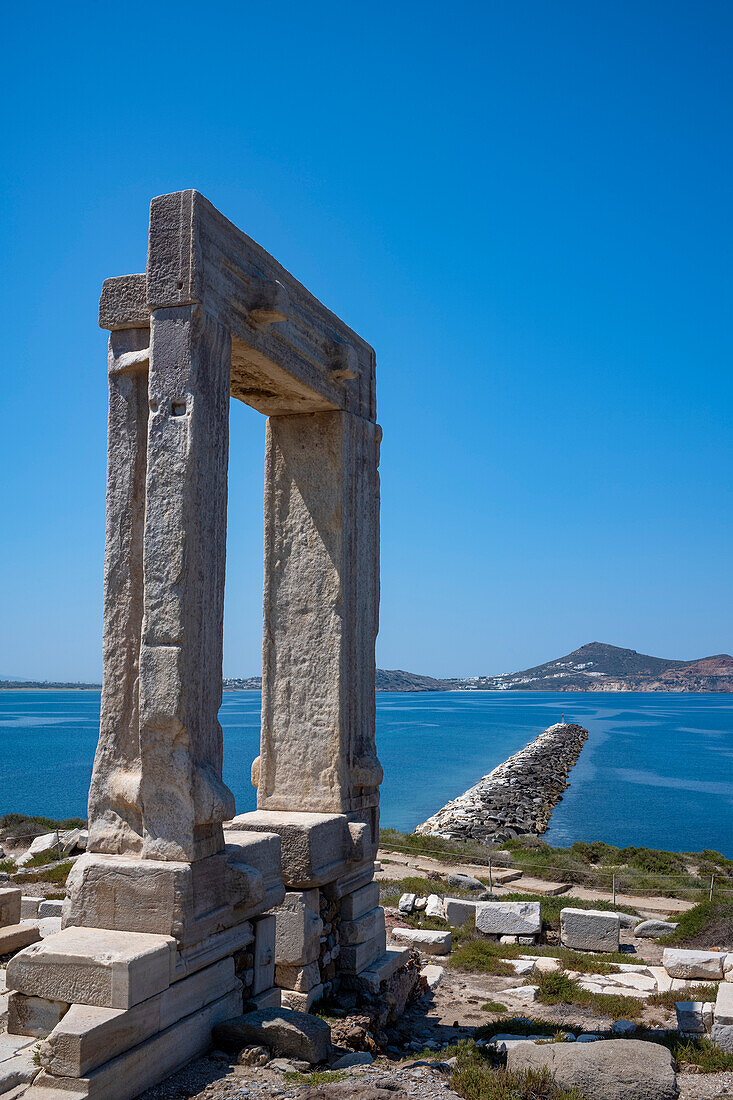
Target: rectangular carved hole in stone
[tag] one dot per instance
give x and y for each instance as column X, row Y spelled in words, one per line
column 178, row 408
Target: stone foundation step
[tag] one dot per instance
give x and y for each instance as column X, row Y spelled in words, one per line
column 384, row 967
column 94, row 966
column 128, row 1075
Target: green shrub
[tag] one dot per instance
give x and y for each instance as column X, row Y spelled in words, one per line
column 493, row 1006
column 700, row 1052
column 475, row 1078
column 709, row 924
column 57, row 873
column 557, row 988
column 691, row 993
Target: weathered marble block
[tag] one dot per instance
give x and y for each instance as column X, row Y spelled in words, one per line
column 589, row 930
column 359, row 902
column 33, row 1015
column 11, row 899
column 298, row 928
column 508, row 918
column 94, row 967
column 88, row 1036
column 707, row 965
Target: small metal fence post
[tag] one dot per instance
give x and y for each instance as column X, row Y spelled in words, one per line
column 712, row 883
column 614, row 889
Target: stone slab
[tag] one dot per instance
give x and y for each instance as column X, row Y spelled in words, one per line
column 51, row 908
column 213, row 948
column 11, row 901
column 359, row 902
column 351, row 881
column 14, row 937
column 431, row 943
column 299, row 978
column 589, row 930
column 269, row 998
column 616, row 1069
column 190, row 901
column 89, row 1036
column 722, row 1036
column 94, row 967
column 694, row 1017
column 706, row 965
column 129, row 1074
column 508, row 918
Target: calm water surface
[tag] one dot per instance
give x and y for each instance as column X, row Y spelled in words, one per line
column 656, row 770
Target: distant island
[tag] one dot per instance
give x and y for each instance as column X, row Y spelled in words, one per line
column 596, row 666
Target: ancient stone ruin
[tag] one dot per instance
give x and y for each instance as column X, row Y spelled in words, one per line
column 180, row 913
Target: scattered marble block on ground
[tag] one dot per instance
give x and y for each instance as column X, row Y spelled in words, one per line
column 707, row 965
column 50, row 908
column 293, row 1034
column 29, row 907
column 724, row 1004
column 94, row 966
column 458, row 911
column 508, row 918
column 14, row 937
column 431, row 943
column 11, row 903
column 694, row 1017
column 652, row 929
column 520, row 995
column 432, row 975
column 722, row 1036
column 589, row 930
column 617, row 1069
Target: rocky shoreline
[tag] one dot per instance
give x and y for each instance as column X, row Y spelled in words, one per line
column 517, row 798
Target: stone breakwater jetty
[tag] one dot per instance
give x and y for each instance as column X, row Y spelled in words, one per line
column 517, row 797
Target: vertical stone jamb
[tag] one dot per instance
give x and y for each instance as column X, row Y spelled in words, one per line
column 182, row 795
column 115, row 822
column 321, row 594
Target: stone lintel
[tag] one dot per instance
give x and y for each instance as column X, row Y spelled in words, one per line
column 123, row 303
column 290, row 354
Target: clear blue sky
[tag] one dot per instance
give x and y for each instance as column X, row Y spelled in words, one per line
column 524, row 207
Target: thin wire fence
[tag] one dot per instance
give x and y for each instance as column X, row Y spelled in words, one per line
column 616, row 879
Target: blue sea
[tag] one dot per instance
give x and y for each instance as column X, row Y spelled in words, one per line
column 657, row 769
